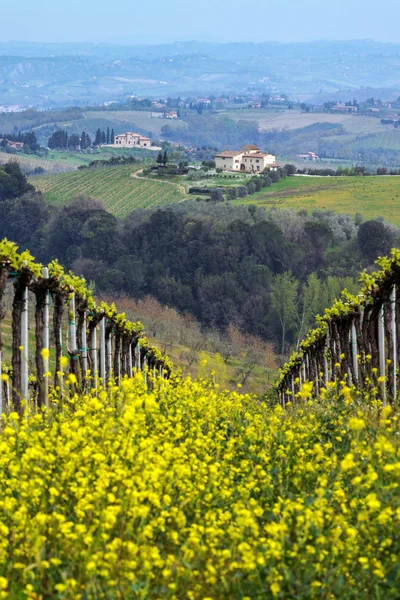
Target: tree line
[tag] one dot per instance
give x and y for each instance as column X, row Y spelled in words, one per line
column 61, row 140
column 245, row 266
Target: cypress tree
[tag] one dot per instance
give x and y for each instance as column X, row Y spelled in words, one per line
column 88, row 141
column 103, row 137
column 112, row 136
column 97, row 139
column 108, row 135
column 83, row 141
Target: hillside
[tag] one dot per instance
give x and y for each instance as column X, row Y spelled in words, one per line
column 119, row 188
column 273, row 119
column 371, row 196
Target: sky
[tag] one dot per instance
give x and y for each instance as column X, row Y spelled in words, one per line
column 159, row 21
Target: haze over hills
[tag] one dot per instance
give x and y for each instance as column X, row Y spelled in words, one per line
column 48, row 74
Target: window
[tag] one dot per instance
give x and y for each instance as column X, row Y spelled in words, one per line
column 257, row 160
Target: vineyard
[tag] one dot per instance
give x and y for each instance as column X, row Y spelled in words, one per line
column 116, row 187
column 371, row 196
column 123, row 480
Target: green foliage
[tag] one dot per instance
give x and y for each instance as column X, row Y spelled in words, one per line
column 373, row 283
column 13, row 182
column 14, row 261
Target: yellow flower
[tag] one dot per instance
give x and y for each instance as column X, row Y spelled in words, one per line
column 45, row 353
column 63, row 362
column 356, row 424
column 275, row 588
column 4, row 377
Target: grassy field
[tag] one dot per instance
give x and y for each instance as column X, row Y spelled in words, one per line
column 119, row 190
column 57, row 161
column 295, row 119
column 371, row 196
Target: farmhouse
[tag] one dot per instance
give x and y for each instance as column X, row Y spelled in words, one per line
column 249, row 159
column 127, row 140
column 17, row 145
column 340, row 107
column 309, row 156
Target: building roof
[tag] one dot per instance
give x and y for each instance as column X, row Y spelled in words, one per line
column 250, row 147
column 138, row 135
column 228, row 154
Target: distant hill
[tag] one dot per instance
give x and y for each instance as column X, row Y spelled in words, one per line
column 61, row 74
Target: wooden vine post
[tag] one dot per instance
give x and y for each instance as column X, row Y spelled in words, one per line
column 73, row 350
column 20, row 350
column 393, row 327
column 3, row 284
column 357, row 341
column 83, row 319
column 41, row 290
column 103, row 350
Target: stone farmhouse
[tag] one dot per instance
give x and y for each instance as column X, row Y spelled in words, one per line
column 129, row 140
column 17, row 145
column 249, row 159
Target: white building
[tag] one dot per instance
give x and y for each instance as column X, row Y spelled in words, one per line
column 129, row 140
column 249, row 159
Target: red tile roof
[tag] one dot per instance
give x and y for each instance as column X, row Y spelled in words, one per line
column 228, row 154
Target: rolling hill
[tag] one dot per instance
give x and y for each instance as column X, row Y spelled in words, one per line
column 371, row 196
column 119, row 188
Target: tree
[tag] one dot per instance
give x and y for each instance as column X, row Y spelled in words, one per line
column 112, row 138
column 58, row 140
column 83, row 141
column 374, row 239
column 320, row 235
column 73, row 141
column 290, row 169
column 284, row 303
column 108, row 136
column 159, row 158
column 13, row 182
column 312, row 304
column 97, row 139
column 165, row 158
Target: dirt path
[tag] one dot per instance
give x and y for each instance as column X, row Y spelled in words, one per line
column 180, row 187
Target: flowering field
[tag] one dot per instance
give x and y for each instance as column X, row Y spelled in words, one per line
column 191, row 492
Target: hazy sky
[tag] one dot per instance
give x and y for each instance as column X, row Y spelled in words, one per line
column 141, row 21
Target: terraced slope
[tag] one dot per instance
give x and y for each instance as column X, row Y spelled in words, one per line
column 120, row 189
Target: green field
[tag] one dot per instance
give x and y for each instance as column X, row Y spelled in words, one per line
column 57, row 161
column 117, row 187
column 269, row 120
column 371, row 196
